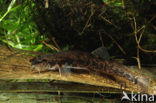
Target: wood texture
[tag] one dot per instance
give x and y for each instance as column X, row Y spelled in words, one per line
column 16, row 66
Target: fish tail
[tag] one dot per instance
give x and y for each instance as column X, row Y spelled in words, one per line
column 143, row 83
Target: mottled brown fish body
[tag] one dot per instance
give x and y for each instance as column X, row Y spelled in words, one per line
column 84, row 60
column 89, row 63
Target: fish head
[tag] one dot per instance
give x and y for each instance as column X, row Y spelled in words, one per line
column 46, row 62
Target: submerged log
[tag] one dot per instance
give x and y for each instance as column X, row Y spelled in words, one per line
column 15, row 65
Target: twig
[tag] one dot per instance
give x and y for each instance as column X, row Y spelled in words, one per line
column 122, row 50
column 46, row 4
column 53, row 39
column 100, row 36
column 138, row 40
column 51, row 46
column 109, row 22
column 149, row 51
column 152, row 19
column 153, row 26
column 141, row 36
column 138, row 58
column 135, row 34
column 92, row 12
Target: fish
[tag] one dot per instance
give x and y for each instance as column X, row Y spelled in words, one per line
column 66, row 61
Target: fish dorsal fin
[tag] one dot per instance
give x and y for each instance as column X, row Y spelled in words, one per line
column 101, row 52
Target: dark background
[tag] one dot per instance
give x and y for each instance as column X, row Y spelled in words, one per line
column 82, row 25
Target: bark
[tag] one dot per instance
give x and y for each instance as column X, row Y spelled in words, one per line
column 15, row 65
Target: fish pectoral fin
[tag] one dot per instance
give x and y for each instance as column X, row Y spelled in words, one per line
column 72, row 67
column 64, row 70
